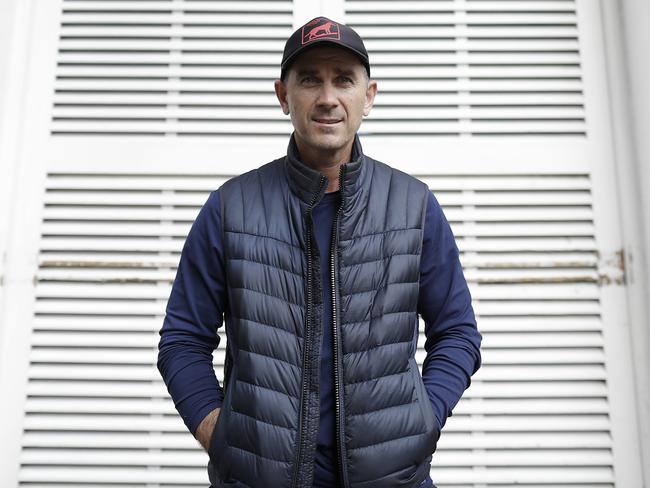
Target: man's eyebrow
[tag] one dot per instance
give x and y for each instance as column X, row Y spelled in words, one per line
column 306, row 71
column 346, row 71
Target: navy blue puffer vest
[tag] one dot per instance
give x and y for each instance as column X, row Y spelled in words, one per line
column 267, row 429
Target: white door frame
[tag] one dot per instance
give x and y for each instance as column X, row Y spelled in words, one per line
column 31, row 82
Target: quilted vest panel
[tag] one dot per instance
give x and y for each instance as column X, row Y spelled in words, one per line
column 267, row 428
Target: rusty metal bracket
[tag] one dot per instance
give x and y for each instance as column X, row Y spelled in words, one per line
column 611, row 269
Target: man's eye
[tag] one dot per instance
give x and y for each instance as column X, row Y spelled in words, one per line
column 309, row 79
column 346, row 79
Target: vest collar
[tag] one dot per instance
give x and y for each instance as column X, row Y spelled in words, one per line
column 306, row 181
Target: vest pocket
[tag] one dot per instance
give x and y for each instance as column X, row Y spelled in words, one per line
column 425, row 403
column 218, row 450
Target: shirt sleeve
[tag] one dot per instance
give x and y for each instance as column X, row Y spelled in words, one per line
column 445, row 304
column 193, row 314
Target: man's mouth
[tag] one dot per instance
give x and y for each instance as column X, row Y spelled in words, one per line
column 328, row 121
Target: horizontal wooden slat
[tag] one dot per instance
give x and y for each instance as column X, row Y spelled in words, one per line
column 106, row 406
column 527, row 406
column 208, row 181
column 128, row 457
column 91, row 271
column 488, row 324
column 164, row 17
column 135, row 229
column 265, row 84
column 519, row 5
column 133, row 324
column 572, row 476
column 464, row 44
column 509, row 356
column 66, row 198
column 508, row 31
column 115, row 389
column 50, row 293
column 512, row 341
column 452, row 440
column 165, row 6
column 168, row 244
column 388, row 99
column 147, row 373
column 537, row 323
column 475, row 214
column 191, row 28
column 410, row 53
column 213, row 116
column 126, row 423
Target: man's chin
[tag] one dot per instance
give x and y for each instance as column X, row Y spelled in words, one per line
column 328, row 142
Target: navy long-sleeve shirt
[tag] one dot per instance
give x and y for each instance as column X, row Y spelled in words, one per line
column 199, row 297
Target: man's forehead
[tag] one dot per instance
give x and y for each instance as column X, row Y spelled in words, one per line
column 311, row 69
column 313, row 58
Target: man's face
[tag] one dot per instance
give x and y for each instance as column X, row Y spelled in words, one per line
column 327, row 93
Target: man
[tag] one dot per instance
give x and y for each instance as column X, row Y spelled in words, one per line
column 321, row 261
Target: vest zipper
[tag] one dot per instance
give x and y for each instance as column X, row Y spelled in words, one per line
column 342, row 469
column 306, row 340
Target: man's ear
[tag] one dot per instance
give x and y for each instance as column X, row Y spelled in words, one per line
column 281, row 93
column 371, row 91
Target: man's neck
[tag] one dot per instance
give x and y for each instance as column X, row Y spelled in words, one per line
column 328, row 163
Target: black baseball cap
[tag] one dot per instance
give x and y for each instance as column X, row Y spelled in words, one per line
column 319, row 30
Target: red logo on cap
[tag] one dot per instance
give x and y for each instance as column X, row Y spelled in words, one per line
column 319, row 28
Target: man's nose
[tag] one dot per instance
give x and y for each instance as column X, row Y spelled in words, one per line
column 327, row 95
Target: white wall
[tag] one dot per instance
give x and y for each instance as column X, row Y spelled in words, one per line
column 627, row 40
column 7, row 30
column 15, row 40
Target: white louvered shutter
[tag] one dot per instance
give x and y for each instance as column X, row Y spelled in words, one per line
column 154, row 104
column 486, row 102
column 141, row 108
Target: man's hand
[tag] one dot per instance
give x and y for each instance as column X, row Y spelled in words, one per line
column 206, row 428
